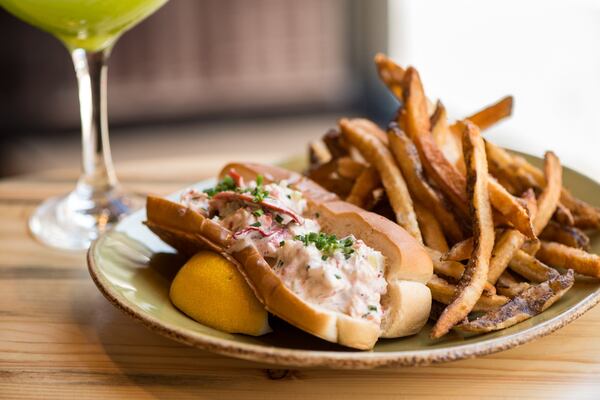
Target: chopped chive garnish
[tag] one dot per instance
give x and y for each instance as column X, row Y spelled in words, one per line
column 324, row 257
column 256, row 224
column 338, row 276
column 282, row 243
column 327, row 244
column 258, row 212
column 372, row 308
column 279, row 218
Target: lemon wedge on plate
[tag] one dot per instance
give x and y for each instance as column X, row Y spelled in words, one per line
column 210, row 289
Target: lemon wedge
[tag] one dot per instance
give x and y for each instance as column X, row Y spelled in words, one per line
column 210, row 289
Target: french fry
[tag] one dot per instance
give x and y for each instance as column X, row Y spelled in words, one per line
column 473, row 281
column 364, row 186
column 448, row 140
column 378, row 155
column 532, row 301
column 372, row 128
column 492, row 114
column 506, row 245
column 452, row 269
column 530, row 203
column 460, row 251
column 531, row 268
column 391, row 74
column 567, row 235
column 563, row 215
column 318, row 154
column 585, row 216
column 430, row 229
column 503, row 163
column 349, row 168
column 550, row 196
column 415, row 120
column 561, row 256
column 336, row 146
column 327, row 176
column 445, row 292
column 510, row 208
column 407, row 157
column 509, row 286
column 446, row 176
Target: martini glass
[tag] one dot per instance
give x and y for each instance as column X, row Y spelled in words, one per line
column 89, row 29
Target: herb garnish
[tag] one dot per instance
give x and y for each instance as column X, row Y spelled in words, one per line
column 257, row 213
column 327, row 244
column 227, row 184
column 372, row 308
column 282, row 243
column 256, row 224
column 279, row 218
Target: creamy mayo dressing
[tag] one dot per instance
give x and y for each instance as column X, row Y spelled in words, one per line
column 349, row 280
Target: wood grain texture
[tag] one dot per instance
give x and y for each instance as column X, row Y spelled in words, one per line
column 59, row 338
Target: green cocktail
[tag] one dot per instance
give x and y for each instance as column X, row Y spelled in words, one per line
column 89, row 29
column 86, row 24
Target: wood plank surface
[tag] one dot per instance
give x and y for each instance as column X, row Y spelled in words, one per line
column 60, row 339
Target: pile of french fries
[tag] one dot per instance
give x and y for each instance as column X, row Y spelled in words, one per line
column 506, row 238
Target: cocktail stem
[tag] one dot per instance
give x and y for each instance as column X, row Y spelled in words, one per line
column 98, row 177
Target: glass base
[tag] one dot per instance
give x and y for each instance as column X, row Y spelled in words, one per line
column 73, row 221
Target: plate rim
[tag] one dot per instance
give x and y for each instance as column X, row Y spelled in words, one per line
column 332, row 359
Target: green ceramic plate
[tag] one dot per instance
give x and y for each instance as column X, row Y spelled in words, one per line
column 134, row 269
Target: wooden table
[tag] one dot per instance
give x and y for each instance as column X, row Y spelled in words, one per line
column 59, row 338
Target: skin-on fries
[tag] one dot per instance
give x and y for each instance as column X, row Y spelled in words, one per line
column 390, row 73
column 417, row 173
column 561, row 256
column 567, row 235
column 416, row 122
column 509, row 286
column 507, row 244
column 531, row 268
column 407, row 157
column 318, row 154
column 474, row 278
column 364, row 186
column 446, row 176
column 452, row 269
column 430, row 229
column 333, row 141
column 548, row 200
column 378, row 155
column 445, row 292
column 585, row 216
column 563, row 215
column 529, row 303
column 349, row 168
column 448, row 140
column 492, row 114
column 460, row 251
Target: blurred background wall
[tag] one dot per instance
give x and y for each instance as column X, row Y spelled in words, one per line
column 197, row 61
column 199, row 69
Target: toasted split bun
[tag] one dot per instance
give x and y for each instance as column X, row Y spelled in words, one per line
column 406, row 303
